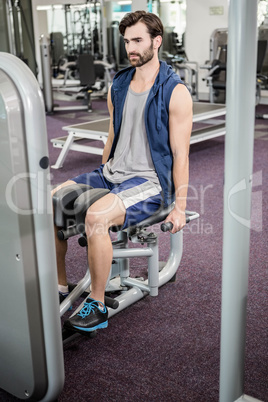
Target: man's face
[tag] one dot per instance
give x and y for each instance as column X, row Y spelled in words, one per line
column 139, row 45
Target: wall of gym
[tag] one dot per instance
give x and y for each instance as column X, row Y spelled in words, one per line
column 80, row 27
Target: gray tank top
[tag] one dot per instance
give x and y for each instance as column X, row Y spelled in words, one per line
column 132, row 155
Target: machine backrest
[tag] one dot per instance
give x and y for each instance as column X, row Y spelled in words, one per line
column 86, row 70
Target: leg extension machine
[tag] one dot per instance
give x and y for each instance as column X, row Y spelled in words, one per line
column 70, row 206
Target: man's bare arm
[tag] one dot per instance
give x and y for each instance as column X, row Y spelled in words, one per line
column 108, row 145
column 180, row 127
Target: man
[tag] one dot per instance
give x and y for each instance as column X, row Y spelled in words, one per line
column 145, row 159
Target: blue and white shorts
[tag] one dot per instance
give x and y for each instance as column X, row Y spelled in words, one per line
column 141, row 197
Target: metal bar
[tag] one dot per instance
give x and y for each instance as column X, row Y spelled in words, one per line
column 71, row 108
column 137, row 283
column 132, row 252
column 64, row 151
column 153, row 270
column 174, row 259
column 207, row 134
column 210, row 111
column 241, row 87
column 126, row 299
column 46, row 73
column 83, row 148
column 75, row 293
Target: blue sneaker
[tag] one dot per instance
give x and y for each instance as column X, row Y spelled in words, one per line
column 92, row 316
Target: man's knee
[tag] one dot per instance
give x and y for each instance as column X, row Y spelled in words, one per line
column 104, row 213
column 96, row 222
column 66, row 183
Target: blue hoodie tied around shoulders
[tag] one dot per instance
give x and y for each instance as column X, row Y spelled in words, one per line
column 156, row 120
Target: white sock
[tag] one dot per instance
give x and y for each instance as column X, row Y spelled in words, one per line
column 63, row 289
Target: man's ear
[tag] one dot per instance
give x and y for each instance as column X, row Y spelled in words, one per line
column 157, row 41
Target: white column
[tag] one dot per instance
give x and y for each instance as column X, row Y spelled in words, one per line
column 241, row 88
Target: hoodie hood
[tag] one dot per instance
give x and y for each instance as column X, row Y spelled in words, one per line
column 123, row 77
column 165, row 73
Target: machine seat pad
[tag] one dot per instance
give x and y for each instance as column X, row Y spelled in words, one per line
column 63, row 203
column 86, row 199
column 72, row 202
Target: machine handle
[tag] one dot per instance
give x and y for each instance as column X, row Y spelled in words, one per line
column 167, row 226
column 190, row 216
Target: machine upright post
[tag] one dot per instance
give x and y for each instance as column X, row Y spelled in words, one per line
column 31, row 362
column 241, row 88
column 46, row 71
column 104, row 31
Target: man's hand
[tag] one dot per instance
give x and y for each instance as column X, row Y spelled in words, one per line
column 177, row 218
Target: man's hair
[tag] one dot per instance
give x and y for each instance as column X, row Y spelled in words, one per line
column 152, row 22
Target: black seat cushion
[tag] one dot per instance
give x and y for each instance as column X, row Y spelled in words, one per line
column 63, row 203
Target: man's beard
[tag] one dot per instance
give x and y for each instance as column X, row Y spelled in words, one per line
column 142, row 59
